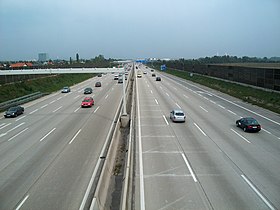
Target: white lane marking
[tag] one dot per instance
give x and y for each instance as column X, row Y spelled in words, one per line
column 189, row 167
column 186, row 96
column 160, row 87
column 77, row 109
column 148, row 85
column 2, row 124
column 47, row 134
column 22, row 202
column 203, row 109
column 106, row 96
column 75, row 136
column 96, row 109
column 240, row 136
column 52, row 102
column 199, row 129
column 213, row 102
column 57, row 109
column 77, row 96
column 15, row 127
column 18, row 134
column 178, row 106
column 156, row 101
column 231, row 112
column 221, row 106
column 33, row 111
column 5, row 126
column 42, row 107
column 206, row 98
column 167, row 94
column 59, row 98
column 258, row 192
column 20, row 118
column 266, row 131
column 151, row 92
column 141, row 176
column 165, row 120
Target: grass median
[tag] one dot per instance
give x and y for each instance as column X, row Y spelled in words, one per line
column 267, row 99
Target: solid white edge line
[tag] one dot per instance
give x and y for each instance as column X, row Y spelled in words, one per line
column 17, row 134
column 189, row 167
column 141, row 173
column 200, row 129
column 258, row 193
column 22, row 202
column 165, row 120
column 241, row 136
column 96, row 109
column 47, row 134
column 75, row 136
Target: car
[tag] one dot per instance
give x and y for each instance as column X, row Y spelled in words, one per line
column 177, row 115
column 65, row 90
column 139, row 75
column 158, row 79
column 144, row 72
column 98, row 84
column 99, row 75
column 88, row 90
column 14, row 111
column 116, row 77
column 153, row 74
column 248, row 124
column 120, row 80
column 87, row 102
column 152, row 70
column 126, row 73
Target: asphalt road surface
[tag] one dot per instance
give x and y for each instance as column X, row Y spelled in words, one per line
column 206, row 162
column 48, row 154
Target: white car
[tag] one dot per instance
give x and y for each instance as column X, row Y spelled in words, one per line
column 177, row 115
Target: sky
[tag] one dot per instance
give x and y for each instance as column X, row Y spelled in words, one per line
column 131, row 29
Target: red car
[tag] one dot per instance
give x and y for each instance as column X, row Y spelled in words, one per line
column 87, row 102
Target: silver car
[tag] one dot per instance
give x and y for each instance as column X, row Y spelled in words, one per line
column 177, row 115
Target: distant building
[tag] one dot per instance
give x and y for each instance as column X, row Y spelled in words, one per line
column 43, row 57
column 77, row 57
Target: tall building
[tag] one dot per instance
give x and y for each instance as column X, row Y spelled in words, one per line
column 43, row 57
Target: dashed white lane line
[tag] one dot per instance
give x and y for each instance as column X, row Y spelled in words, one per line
column 47, row 134
column 200, row 129
column 189, row 167
column 203, row 109
column 59, row 98
column 165, row 120
column 42, row 107
column 96, row 109
column 20, row 118
column 231, row 112
column 15, row 127
column 106, row 96
column 221, row 106
column 213, row 102
column 33, row 111
column 186, row 96
column 151, row 92
column 22, row 202
column 57, row 109
column 77, row 97
column 52, row 102
column 258, row 192
column 167, row 94
column 5, row 126
column 75, row 136
column 266, row 131
column 77, row 109
column 18, row 134
column 241, row 136
column 156, row 101
column 178, row 106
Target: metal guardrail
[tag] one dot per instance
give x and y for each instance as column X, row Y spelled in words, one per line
column 14, row 102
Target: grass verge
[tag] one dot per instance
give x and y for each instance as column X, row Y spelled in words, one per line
column 267, row 99
column 45, row 85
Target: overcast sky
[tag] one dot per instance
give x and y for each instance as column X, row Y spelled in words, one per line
column 138, row 28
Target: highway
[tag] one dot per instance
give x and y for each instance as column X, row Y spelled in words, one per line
column 206, row 162
column 48, row 154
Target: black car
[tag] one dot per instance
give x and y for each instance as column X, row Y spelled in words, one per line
column 14, row 111
column 98, row 84
column 248, row 124
column 99, row 75
column 158, row 79
column 88, row 90
column 153, row 74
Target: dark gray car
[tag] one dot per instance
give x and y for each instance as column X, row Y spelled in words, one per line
column 14, row 111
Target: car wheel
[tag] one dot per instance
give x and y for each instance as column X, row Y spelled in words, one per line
column 244, row 129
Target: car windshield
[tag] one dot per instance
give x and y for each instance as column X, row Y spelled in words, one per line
column 13, row 109
column 86, row 100
column 252, row 122
column 179, row 114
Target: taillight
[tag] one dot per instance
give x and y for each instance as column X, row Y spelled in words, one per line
column 250, row 126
